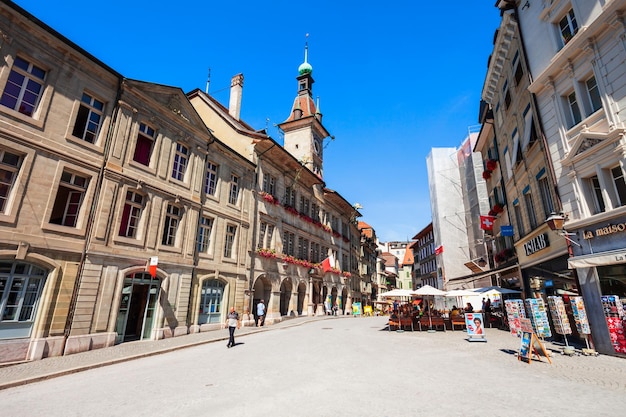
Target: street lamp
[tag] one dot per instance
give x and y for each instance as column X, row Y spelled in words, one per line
column 555, row 222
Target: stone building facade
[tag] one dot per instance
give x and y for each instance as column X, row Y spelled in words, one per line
column 131, row 210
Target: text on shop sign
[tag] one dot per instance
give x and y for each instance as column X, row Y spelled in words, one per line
column 536, row 244
column 605, row 231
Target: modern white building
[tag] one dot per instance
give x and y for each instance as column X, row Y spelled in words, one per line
column 448, row 214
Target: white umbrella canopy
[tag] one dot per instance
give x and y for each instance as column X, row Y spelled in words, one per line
column 398, row 292
column 461, row 293
column 428, row 290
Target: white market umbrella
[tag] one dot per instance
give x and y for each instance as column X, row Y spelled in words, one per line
column 398, row 292
column 461, row 293
column 427, row 290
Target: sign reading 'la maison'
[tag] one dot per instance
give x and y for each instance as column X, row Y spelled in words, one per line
column 536, row 244
column 605, row 231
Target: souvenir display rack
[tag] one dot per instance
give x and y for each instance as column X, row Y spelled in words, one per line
column 538, row 315
column 614, row 313
column 560, row 321
column 514, row 312
column 580, row 315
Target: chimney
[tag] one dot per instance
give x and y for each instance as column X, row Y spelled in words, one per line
column 236, row 90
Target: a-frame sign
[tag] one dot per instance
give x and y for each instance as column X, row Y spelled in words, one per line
column 530, row 344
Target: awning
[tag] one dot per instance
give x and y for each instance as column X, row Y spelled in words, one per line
column 474, row 277
column 597, row 259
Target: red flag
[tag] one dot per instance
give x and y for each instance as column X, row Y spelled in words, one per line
column 486, row 222
column 153, row 264
column 439, row 250
column 328, row 264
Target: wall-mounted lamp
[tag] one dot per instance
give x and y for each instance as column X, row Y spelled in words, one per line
column 555, row 222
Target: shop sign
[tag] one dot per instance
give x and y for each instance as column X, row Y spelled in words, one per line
column 605, row 231
column 536, row 244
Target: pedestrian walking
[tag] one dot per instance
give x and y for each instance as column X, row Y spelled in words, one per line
column 233, row 323
column 260, row 312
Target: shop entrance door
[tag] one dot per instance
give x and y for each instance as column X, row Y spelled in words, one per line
column 136, row 313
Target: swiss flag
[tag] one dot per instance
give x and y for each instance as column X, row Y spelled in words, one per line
column 439, row 250
column 486, row 222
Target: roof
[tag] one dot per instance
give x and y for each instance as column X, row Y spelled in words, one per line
column 389, row 258
column 408, row 257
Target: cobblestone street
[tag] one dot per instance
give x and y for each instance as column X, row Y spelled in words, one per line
column 324, row 367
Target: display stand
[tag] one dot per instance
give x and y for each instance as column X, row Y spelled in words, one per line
column 474, row 324
column 530, row 344
column 581, row 321
column 614, row 313
column 515, row 312
column 560, row 320
column 538, row 316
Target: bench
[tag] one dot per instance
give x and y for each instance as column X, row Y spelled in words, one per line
column 434, row 321
column 401, row 323
column 457, row 321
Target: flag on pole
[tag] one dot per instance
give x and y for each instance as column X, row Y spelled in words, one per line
column 328, row 264
column 486, row 222
column 153, row 264
column 439, row 250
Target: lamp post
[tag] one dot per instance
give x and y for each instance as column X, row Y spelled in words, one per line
column 555, row 222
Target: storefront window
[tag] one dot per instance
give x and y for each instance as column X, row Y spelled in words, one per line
column 613, row 287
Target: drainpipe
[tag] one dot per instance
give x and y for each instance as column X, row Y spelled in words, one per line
column 196, row 252
column 255, row 218
column 92, row 211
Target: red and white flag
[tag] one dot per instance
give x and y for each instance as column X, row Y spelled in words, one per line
column 153, row 264
column 328, row 264
column 439, row 250
column 486, row 222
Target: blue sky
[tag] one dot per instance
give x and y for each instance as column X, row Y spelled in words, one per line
column 394, row 78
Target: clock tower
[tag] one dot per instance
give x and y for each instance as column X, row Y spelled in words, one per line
column 303, row 130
